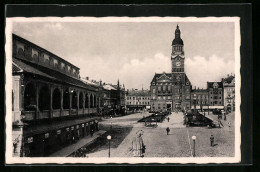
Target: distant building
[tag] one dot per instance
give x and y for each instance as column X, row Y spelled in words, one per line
column 215, row 90
column 137, row 99
column 229, row 92
column 199, row 99
column 113, row 99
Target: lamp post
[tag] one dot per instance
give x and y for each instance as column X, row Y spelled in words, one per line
column 21, row 125
column 194, row 138
column 109, row 138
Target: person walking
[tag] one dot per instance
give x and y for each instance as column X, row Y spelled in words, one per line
column 168, row 119
column 168, row 130
column 211, row 140
column 91, row 132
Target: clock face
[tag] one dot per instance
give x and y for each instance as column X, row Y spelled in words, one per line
column 178, row 63
column 178, row 78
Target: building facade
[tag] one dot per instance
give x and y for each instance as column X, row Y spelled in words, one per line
column 199, row 99
column 137, row 99
column 52, row 106
column 215, row 92
column 229, row 92
column 114, row 99
column 171, row 91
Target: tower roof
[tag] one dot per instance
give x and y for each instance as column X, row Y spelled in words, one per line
column 177, row 40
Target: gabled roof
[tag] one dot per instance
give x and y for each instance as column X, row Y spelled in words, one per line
column 158, row 75
column 210, row 84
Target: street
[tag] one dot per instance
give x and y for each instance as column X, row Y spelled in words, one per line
column 178, row 143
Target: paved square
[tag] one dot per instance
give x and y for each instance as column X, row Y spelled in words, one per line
column 158, row 144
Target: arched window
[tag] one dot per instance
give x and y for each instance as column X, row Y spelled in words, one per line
column 86, row 101
column 56, row 99
column 80, row 100
column 95, row 101
column 74, row 100
column 29, row 97
column 44, row 98
column 66, row 99
column 91, row 101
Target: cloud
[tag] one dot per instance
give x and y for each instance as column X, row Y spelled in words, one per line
column 201, row 69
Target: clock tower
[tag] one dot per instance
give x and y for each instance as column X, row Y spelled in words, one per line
column 180, row 83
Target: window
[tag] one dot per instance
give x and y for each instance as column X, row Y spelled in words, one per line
column 159, row 88
column 169, row 97
column 219, row 97
column 219, row 102
column 148, row 103
column 164, row 88
column 133, row 98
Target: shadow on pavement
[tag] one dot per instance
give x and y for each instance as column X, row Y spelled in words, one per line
column 117, row 133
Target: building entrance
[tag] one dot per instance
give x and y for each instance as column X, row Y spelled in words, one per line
column 169, row 107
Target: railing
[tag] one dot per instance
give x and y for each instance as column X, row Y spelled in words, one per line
column 65, row 112
column 73, row 112
column 80, row 112
column 29, row 115
column 56, row 113
column 44, row 114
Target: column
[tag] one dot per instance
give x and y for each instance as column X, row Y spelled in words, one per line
column 37, row 101
column 70, row 101
column 51, row 110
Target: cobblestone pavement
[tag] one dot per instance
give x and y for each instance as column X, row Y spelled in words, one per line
column 177, row 144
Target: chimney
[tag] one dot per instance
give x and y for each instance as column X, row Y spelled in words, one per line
column 87, row 78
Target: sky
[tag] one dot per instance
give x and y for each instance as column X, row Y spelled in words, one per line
column 134, row 51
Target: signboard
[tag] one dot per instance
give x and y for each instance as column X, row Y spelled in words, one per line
column 58, row 131
column 30, row 139
column 77, row 126
column 72, row 128
column 67, row 129
column 86, row 124
column 82, row 125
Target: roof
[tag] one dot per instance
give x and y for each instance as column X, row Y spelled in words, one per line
column 177, row 41
column 210, row 84
column 35, row 69
column 109, row 87
column 138, row 93
column 199, row 90
column 89, row 82
column 229, row 79
column 42, row 49
column 157, row 75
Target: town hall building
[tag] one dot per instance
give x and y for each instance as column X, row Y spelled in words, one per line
column 171, row 91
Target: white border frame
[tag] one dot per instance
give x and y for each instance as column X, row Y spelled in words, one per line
column 182, row 160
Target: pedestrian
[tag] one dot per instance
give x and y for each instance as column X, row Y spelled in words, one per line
column 167, row 130
column 91, row 132
column 225, row 117
column 168, row 119
column 220, row 123
column 229, row 126
column 211, row 140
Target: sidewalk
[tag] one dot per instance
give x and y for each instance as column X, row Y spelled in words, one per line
column 73, row 147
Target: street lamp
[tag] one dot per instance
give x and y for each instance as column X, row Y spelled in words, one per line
column 109, row 138
column 194, row 138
